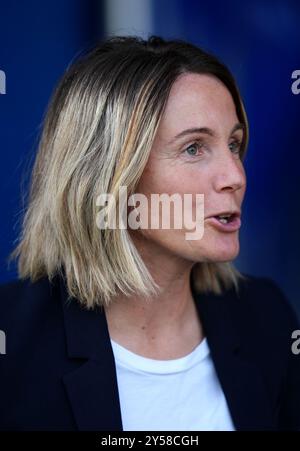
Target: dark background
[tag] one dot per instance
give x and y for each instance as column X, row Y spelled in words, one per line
column 258, row 40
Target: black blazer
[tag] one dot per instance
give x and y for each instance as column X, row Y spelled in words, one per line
column 59, row 372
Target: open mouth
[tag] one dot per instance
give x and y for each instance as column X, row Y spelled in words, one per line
column 225, row 219
column 226, row 222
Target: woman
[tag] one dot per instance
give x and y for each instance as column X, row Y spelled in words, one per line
column 139, row 328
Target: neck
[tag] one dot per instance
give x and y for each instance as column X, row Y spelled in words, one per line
column 162, row 326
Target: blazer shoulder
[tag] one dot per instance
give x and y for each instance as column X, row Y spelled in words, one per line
column 20, row 298
column 274, row 321
column 268, row 300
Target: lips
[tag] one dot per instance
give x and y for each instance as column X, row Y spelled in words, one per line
column 226, row 221
column 230, row 214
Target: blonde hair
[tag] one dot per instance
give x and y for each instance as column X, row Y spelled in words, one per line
column 97, row 136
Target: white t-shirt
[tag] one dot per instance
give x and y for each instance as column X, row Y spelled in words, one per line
column 170, row 395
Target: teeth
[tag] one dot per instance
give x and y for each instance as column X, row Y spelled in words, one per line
column 224, row 219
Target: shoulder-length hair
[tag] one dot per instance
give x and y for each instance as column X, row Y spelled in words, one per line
column 97, row 135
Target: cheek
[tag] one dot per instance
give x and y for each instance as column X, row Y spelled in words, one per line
column 242, row 191
column 172, row 178
column 180, row 180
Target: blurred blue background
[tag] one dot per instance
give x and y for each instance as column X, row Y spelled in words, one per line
column 258, row 40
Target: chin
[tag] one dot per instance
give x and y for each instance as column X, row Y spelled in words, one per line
column 213, row 252
column 225, row 255
column 220, row 252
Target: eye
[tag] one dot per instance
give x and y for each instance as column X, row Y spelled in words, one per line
column 193, row 148
column 235, row 146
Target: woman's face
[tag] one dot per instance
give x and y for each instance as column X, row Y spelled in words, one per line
column 202, row 162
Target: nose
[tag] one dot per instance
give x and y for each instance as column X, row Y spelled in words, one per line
column 230, row 174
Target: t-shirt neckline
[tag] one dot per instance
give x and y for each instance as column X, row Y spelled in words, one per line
column 130, row 360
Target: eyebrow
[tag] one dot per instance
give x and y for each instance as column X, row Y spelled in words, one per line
column 204, row 130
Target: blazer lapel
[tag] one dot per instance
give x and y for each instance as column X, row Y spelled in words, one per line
column 240, row 378
column 92, row 387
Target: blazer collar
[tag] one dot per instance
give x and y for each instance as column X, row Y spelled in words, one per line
column 92, row 387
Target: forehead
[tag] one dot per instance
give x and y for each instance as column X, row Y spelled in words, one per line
column 198, row 100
